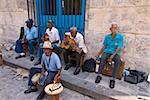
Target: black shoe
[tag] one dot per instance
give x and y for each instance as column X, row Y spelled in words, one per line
column 20, row 56
column 41, row 95
column 98, row 79
column 37, row 62
column 77, row 71
column 31, row 58
column 112, row 84
column 30, row 90
column 67, row 66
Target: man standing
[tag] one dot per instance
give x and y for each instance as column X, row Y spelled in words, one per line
column 30, row 37
column 54, row 38
column 50, row 64
column 112, row 46
column 78, row 50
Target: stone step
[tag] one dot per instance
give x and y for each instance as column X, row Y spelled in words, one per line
column 72, row 82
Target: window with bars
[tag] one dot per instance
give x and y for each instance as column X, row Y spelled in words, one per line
column 72, row 7
column 49, row 7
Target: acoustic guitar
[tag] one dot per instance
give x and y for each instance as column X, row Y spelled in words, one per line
column 71, row 44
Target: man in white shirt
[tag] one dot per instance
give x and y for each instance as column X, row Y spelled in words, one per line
column 77, row 51
column 54, row 38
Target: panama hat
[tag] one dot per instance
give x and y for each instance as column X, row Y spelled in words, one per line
column 47, row 45
column 54, row 89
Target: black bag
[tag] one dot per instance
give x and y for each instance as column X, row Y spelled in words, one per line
column 89, row 65
column 135, row 77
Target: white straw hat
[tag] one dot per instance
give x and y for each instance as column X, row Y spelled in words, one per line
column 47, row 45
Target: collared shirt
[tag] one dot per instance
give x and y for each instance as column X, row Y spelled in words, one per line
column 113, row 44
column 31, row 33
column 53, row 35
column 79, row 40
column 52, row 63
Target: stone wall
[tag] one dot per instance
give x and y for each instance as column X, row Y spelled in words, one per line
column 13, row 14
column 133, row 17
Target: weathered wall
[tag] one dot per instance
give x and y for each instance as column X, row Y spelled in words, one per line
column 13, row 14
column 133, row 17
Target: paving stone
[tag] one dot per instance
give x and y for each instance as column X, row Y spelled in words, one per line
column 13, row 88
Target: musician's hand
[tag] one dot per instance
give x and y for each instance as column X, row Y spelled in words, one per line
column 42, row 38
column 98, row 55
column 24, row 41
column 57, row 78
column 65, row 41
column 42, row 75
column 110, row 59
column 78, row 49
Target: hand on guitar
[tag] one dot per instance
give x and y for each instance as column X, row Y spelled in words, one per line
column 77, row 49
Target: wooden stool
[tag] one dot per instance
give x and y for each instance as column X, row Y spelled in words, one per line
column 72, row 58
column 108, row 70
column 54, row 94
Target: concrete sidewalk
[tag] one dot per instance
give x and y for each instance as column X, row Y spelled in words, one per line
column 84, row 82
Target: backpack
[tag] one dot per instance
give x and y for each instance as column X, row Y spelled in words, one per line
column 89, row 65
column 135, row 77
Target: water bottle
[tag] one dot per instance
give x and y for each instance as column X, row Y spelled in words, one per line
column 97, row 66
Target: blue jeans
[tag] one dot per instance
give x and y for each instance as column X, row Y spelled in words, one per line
column 40, row 51
column 19, row 48
column 31, row 46
column 117, row 63
column 49, row 78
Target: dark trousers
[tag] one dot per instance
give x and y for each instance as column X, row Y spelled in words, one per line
column 33, row 71
column 67, row 53
column 117, row 63
column 31, row 44
column 49, row 78
column 19, row 48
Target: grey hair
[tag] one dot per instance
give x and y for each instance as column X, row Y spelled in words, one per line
column 114, row 23
column 50, row 21
column 73, row 28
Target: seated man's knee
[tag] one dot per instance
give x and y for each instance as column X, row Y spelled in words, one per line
column 117, row 59
column 18, row 41
column 103, row 58
column 47, row 81
column 65, row 51
column 41, row 45
column 32, row 69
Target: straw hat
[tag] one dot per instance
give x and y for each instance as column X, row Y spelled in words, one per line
column 54, row 89
column 47, row 45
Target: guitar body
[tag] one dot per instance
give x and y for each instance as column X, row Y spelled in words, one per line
column 67, row 43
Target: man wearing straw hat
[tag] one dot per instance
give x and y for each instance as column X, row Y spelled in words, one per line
column 51, row 64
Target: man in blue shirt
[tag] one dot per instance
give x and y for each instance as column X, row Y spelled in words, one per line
column 50, row 64
column 30, row 36
column 112, row 46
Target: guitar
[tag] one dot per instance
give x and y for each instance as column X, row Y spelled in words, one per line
column 69, row 43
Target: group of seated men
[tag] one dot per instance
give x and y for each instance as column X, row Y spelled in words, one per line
column 50, row 60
